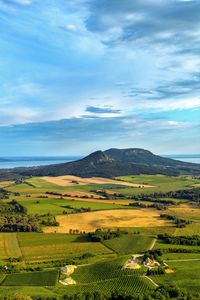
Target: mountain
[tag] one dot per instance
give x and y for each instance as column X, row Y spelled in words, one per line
column 114, row 162
column 141, row 156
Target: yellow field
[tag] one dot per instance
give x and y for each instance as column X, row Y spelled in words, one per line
column 186, row 211
column 122, row 218
column 5, row 183
column 9, row 245
column 69, row 180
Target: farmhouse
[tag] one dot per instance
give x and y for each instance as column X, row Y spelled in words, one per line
column 148, row 262
column 133, row 263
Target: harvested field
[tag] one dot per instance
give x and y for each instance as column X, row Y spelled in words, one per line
column 5, row 183
column 186, row 211
column 69, row 180
column 108, row 219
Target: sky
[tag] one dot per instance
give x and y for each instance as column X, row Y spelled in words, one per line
column 82, row 75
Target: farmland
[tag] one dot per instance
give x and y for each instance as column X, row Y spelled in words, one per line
column 45, row 278
column 107, row 219
column 9, row 246
column 34, row 259
column 38, row 248
column 128, row 244
column 186, row 275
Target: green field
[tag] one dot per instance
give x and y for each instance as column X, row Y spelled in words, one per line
column 128, row 285
column 130, row 244
column 37, row 248
column 44, row 278
column 56, row 206
column 186, row 275
column 161, row 245
column 162, row 183
column 99, row 264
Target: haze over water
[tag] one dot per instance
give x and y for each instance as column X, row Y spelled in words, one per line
column 24, row 161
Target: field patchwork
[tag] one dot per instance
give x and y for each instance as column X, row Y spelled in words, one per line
column 69, row 180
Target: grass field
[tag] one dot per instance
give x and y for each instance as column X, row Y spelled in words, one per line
column 44, row 278
column 161, row 245
column 130, row 244
column 181, row 256
column 37, row 247
column 186, row 275
column 108, row 219
column 56, row 206
column 161, row 183
column 9, row 246
column 2, row 277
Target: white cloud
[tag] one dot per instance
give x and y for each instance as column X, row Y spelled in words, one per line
column 168, row 104
column 177, row 124
column 17, row 115
column 22, row 2
column 71, row 28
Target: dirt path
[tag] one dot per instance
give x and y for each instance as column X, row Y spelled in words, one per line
column 155, row 284
column 153, row 244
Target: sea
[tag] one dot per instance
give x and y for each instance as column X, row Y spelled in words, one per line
column 192, row 158
column 30, row 161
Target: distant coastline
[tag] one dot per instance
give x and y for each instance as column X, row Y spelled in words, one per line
column 192, row 158
column 25, row 161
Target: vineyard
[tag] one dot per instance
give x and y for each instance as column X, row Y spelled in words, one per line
column 129, row 244
column 129, row 284
column 103, row 270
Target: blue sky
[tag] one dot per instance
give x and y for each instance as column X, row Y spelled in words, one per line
column 82, row 75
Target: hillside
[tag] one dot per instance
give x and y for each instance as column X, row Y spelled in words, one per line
column 142, row 156
column 113, row 162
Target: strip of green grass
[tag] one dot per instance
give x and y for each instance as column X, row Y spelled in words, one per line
column 45, row 278
column 186, row 275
